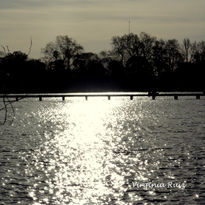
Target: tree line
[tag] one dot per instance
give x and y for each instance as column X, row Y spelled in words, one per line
column 134, row 63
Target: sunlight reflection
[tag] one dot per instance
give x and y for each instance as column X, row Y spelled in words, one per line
column 77, row 160
column 88, row 120
column 93, row 152
column 103, row 151
column 86, row 150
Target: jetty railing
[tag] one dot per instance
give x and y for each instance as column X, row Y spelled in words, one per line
column 153, row 96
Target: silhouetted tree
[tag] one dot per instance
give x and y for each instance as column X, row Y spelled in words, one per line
column 2, row 54
column 89, row 66
column 186, row 48
column 126, row 46
column 139, row 72
column 116, row 70
column 159, row 58
column 119, row 48
column 198, row 51
column 105, row 54
column 14, row 68
column 82, row 60
column 131, row 44
column 37, row 76
column 174, row 57
column 14, row 63
column 146, row 46
column 135, row 62
column 64, row 48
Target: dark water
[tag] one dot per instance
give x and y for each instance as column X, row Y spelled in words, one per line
column 104, row 152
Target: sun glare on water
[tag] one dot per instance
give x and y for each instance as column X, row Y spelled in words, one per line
column 76, row 160
column 100, row 151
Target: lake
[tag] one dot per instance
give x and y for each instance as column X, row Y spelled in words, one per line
column 100, row 151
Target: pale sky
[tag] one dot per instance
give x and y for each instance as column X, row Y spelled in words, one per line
column 93, row 23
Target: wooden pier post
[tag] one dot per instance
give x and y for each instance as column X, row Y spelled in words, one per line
column 86, row 97
column 40, row 98
column 108, row 97
column 63, row 98
column 17, row 99
column 153, row 97
column 176, row 97
column 197, row 97
column 131, row 97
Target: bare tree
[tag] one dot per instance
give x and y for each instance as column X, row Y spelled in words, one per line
column 119, row 48
column 130, row 45
column 64, row 48
column 173, row 54
column 7, row 103
column 186, row 48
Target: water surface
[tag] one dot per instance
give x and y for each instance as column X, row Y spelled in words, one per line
column 103, row 151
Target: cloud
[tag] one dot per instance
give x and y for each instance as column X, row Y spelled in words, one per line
column 26, row 4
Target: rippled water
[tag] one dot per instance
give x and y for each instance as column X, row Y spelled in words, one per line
column 104, row 152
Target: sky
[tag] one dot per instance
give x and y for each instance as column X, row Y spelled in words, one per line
column 93, row 23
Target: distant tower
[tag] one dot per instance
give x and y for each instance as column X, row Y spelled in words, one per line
column 129, row 26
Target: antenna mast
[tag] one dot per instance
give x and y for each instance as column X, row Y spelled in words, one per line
column 129, row 26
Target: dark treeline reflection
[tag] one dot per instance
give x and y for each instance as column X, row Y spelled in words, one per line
column 135, row 62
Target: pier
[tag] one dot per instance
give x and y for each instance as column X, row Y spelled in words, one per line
column 109, row 96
